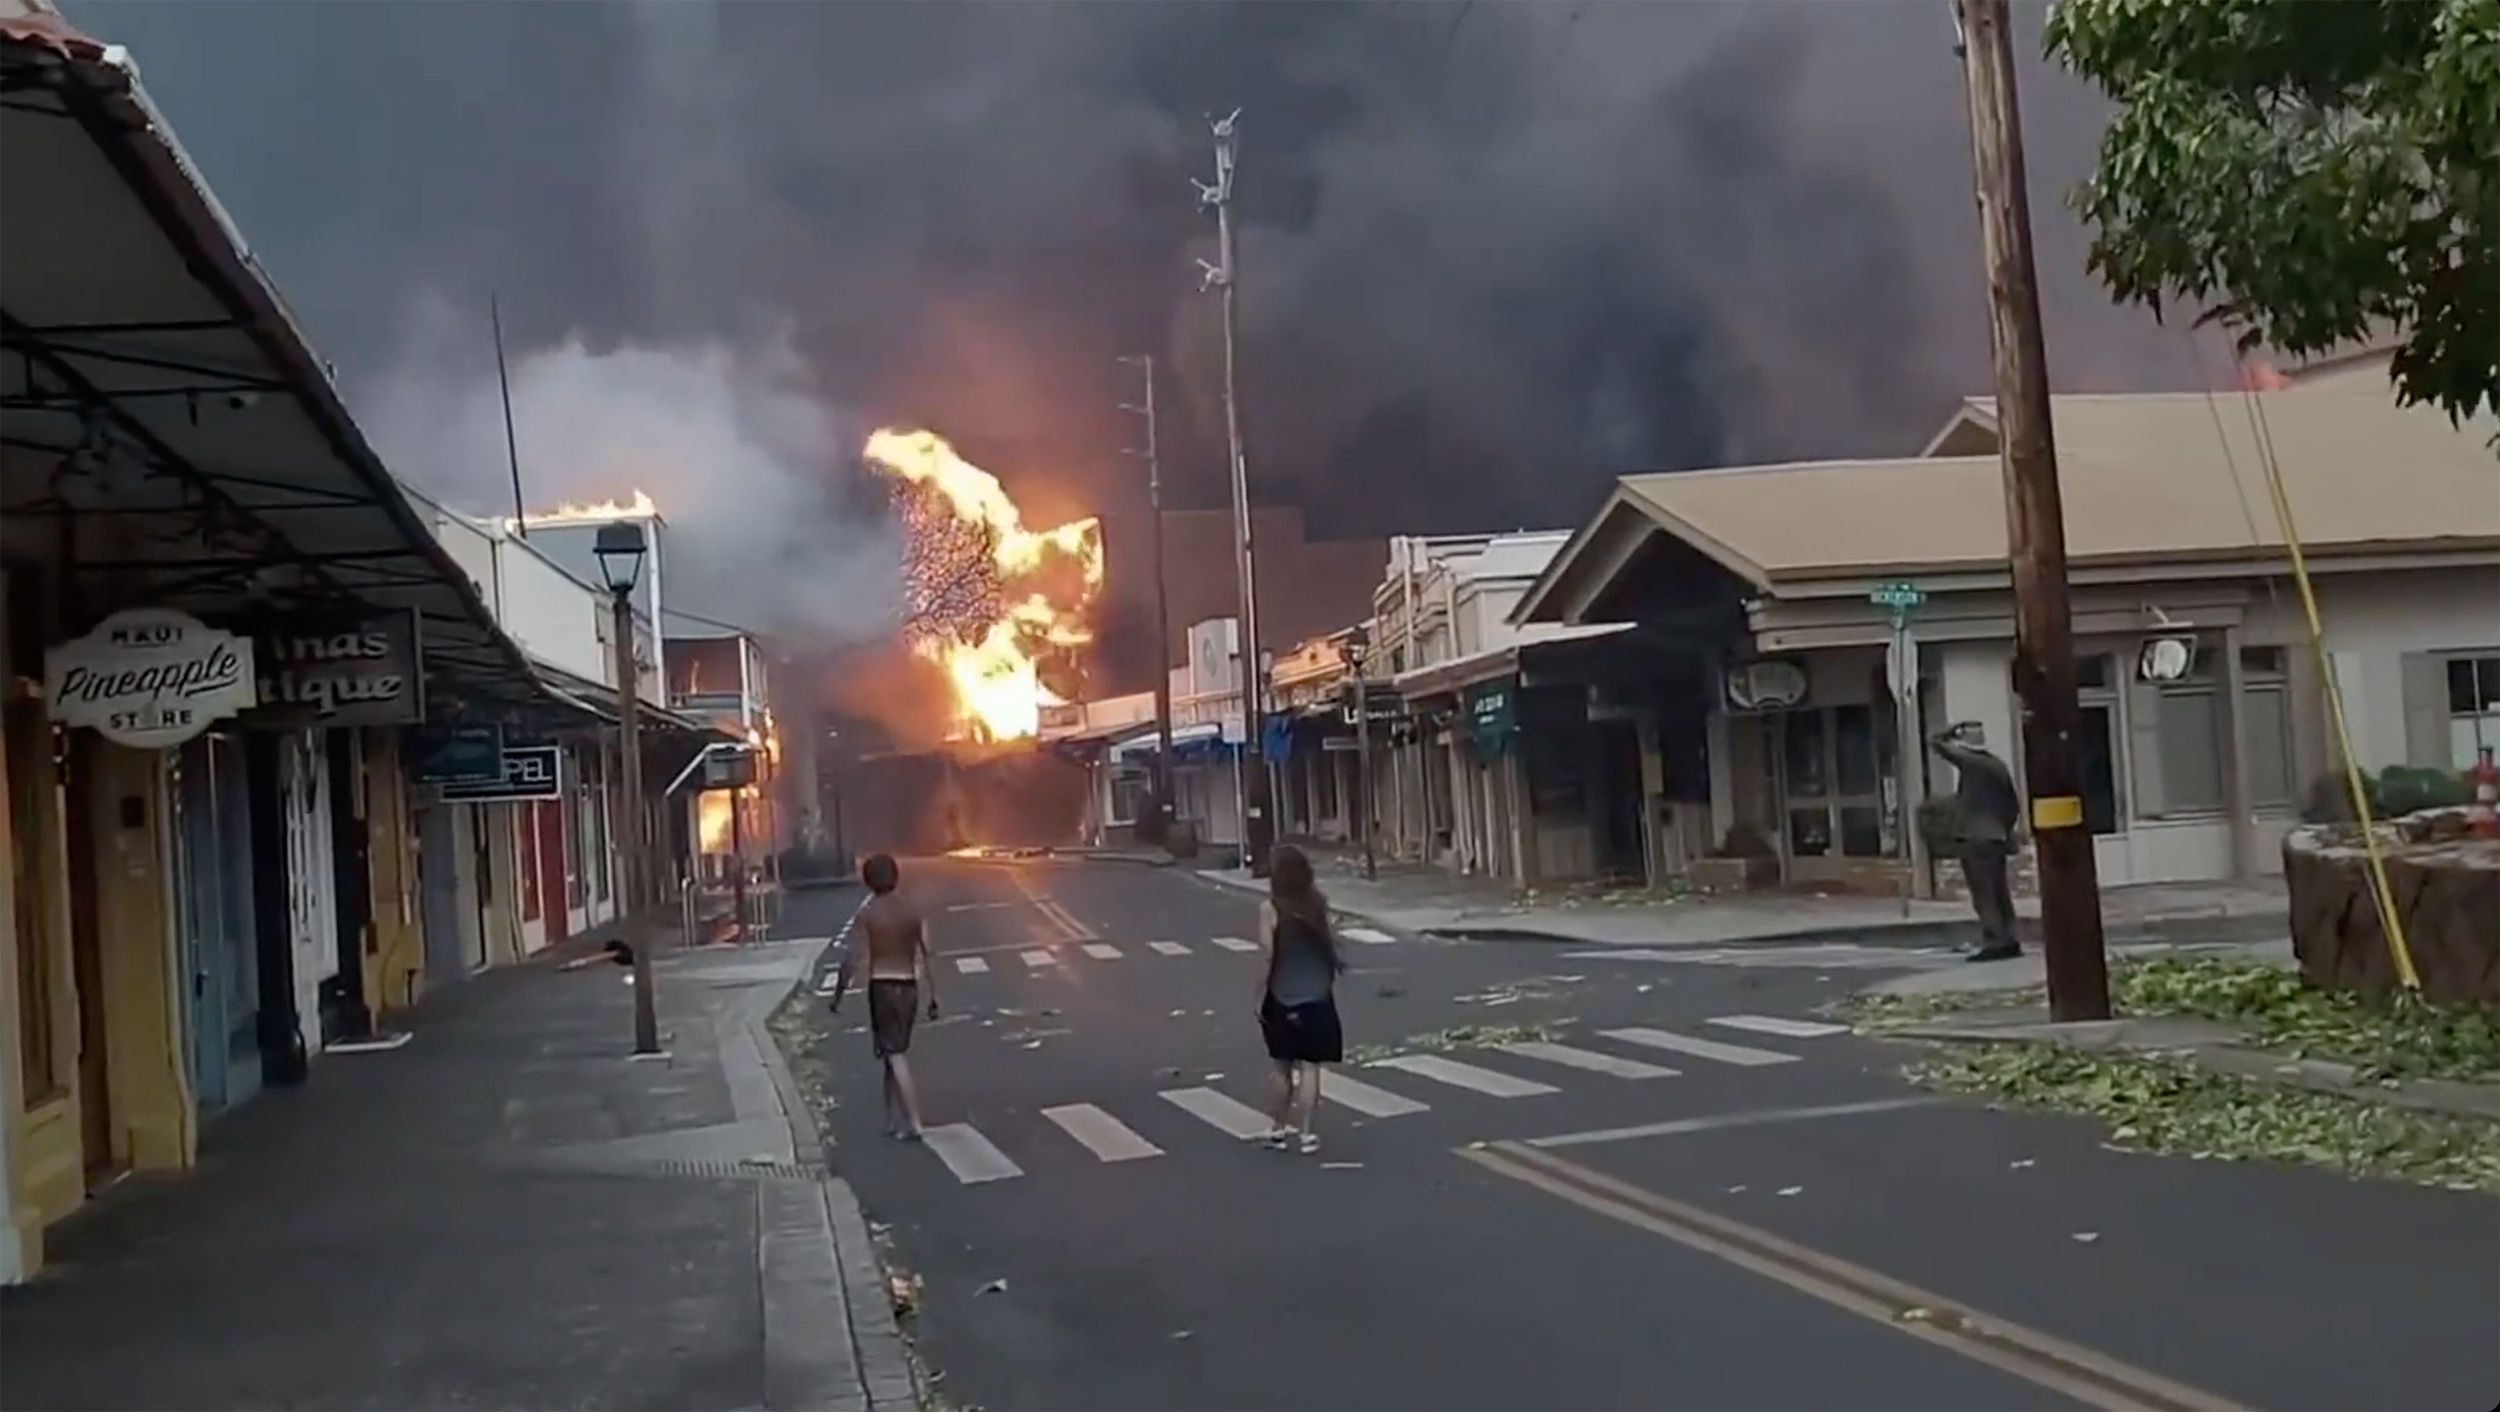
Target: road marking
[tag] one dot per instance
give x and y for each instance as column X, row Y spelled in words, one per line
column 1107, row 1137
column 1038, row 958
column 977, row 906
column 1450, row 1071
column 1700, row 1048
column 1102, row 951
column 2091, row 1378
column 1076, row 930
column 1234, row 943
column 1367, row 1100
column 970, row 1156
column 1773, row 1024
column 1169, row 948
column 1224, row 1114
column 1369, row 936
column 971, row 965
column 1590, row 1060
column 1715, row 1121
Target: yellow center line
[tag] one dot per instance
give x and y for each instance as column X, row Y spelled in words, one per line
column 2091, row 1378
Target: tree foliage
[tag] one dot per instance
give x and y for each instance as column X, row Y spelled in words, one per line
column 2309, row 172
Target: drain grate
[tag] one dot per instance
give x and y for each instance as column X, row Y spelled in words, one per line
column 718, row 1169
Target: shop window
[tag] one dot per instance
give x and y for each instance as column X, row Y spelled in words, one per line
column 1129, row 789
column 1837, row 761
column 2473, row 685
column 2191, row 752
column 1804, row 745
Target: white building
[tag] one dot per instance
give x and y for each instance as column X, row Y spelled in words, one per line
column 2170, row 533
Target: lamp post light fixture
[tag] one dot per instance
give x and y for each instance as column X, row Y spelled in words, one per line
column 620, row 548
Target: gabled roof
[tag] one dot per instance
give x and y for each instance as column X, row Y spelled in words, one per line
column 2145, row 478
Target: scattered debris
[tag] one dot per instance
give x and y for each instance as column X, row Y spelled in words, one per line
column 2086, row 1237
column 1032, row 1044
column 1179, row 1334
column 2020, row 1163
column 1168, row 1071
column 1915, row 1314
column 1340, row 1166
column 1212, row 1079
column 997, row 1286
column 1475, row 1147
column 1644, row 987
column 903, row 1292
column 1791, row 1190
column 1739, row 1190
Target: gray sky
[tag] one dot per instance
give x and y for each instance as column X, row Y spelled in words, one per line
column 1493, row 254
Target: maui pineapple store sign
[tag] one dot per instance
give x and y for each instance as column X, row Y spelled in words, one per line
column 149, row 678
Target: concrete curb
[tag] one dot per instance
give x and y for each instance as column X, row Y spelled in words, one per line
column 1909, row 935
column 830, row 1340
column 2216, row 1049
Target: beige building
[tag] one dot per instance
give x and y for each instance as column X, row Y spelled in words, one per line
column 1813, row 730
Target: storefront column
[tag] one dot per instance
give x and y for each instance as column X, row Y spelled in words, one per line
column 2235, row 790
column 139, row 964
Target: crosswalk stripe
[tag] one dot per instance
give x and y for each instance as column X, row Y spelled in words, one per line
column 1450, row 1071
column 1700, row 1048
column 1102, row 951
column 1371, row 1102
column 1038, row 958
column 1773, row 1024
column 970, row 1156
column 1590, row 1060
column 1107, row 1137
column 1234, row 943
column 1169, row 948
column 1370, row 936
column 972, row 965
column 1224, row 1114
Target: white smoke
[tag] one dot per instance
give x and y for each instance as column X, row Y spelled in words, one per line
column 742, row 457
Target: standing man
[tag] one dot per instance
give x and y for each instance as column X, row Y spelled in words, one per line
column 898, row 965
column 1989, row 808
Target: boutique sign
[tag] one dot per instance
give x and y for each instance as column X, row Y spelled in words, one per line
column 149, row 678
column 357, row 670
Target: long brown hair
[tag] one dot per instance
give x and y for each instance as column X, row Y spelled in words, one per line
column 1295, row 894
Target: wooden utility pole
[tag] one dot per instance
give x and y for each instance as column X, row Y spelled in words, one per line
column 1145, row 364
column 2035, row 531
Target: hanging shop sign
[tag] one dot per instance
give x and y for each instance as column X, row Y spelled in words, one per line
column 358, row 670
column 149, row 678
column 1767, row 685
column 1492, row 710
column 458, row 755
column 529, row 772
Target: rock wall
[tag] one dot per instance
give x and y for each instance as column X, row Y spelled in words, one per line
column 2446, row 885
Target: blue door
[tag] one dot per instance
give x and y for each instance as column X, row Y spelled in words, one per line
column 214, row 881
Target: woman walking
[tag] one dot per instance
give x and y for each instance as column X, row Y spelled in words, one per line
column 1297, row 998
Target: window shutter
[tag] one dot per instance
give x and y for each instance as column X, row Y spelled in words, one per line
column 2426, row 709
column 2144, row 748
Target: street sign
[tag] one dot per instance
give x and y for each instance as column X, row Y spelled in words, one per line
column 529, row 772
column 1899, row 596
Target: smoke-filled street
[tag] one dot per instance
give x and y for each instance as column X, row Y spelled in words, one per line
column 1352, row 704
column 1552, row 1177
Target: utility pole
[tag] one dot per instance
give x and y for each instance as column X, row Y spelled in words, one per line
column 1359, row 654
column 2035, row 532
column 1145, row 363
column 1256, row 827
column 511, row 442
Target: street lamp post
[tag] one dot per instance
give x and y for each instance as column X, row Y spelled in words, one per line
column 620, row 548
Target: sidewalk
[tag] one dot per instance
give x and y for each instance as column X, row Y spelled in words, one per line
column 1417, row 898
column 505, row 1212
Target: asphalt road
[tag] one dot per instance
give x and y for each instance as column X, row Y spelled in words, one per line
column 1706, row 1197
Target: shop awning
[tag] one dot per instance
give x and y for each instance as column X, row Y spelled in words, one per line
column 1202, row 739
column 162, row 401
column 1537, row 641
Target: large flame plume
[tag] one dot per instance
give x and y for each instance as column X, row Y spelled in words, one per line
column 986, row 597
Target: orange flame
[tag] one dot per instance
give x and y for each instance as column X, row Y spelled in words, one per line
column 712, row 808
column 993, row 668
column 641, row 507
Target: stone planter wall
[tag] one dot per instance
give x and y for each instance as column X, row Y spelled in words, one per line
column 2447, row 893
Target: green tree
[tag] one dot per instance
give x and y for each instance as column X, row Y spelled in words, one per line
column 2307, row 172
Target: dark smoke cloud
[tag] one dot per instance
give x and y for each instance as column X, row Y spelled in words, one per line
column 1492, row 255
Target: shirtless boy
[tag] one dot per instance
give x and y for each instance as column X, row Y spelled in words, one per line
column 898, row 968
